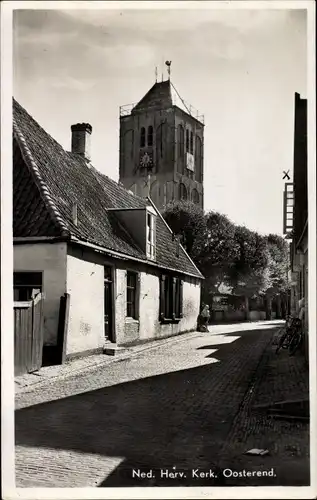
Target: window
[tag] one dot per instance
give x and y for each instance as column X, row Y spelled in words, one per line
column 191, row 145
column 131, row 295
column 150, row 136
column 161, row 139
column 182, row 192
column 26, row 285
column 187, row 140
column 180, row 147
column 171, row 298
column 198, row 159
column 195, row 196
column 142, row 138
column 150, row 236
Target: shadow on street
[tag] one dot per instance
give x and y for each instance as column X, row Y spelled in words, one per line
column 179, row 419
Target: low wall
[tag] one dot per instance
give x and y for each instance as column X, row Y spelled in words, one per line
column 257, row 315
column 219, row 316
column 226, row 316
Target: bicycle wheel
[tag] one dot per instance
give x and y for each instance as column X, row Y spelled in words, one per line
column 295, row 343
column 281, row 342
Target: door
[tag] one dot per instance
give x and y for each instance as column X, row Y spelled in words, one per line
column 108, row 303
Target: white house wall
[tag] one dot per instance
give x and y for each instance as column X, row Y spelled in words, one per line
column 81, row 275
column 85, row 285
column 50, row 259
column 191, row 304
column 148, row 326
column 120, row 294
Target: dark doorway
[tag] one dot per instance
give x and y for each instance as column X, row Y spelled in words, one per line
column 108, row 303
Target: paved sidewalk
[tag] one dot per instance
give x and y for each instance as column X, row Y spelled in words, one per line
column 82, row 366
column 280, row 379
column 183, row 405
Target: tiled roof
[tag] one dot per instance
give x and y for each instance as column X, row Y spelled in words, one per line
column 159, row 95
column 163, row 95
column 48, row 181
column 30, row 214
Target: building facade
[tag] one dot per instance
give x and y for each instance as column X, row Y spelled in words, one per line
column 162, row 147
column 110, row 254
column 296, row 213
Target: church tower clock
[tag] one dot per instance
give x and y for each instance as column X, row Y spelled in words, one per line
column 162, row 147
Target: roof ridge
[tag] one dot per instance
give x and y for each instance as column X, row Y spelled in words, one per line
column 18, row 105
column 48, row 200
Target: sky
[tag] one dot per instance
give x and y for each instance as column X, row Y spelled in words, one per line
column 240, row 68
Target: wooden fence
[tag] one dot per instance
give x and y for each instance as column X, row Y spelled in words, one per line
column 28, row 335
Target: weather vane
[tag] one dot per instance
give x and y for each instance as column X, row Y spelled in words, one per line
column 168, row 64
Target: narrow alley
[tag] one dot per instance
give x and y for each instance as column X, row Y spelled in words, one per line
column 186, row 405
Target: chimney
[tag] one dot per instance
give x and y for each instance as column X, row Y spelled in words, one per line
column 81, row 133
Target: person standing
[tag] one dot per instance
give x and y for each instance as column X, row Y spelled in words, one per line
column 205, row 317
column 301, row 310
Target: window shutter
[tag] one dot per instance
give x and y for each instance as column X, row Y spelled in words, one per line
column 181, row 282
column 155, row 233
column 162, row 297
column 174, row 298
column 137, row 296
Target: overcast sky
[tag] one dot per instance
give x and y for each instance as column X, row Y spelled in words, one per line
column 239, row 68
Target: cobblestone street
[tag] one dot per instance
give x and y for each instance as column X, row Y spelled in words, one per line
column 186, row 404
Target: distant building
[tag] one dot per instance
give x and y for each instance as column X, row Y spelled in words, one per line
column 80, row 236
column 296, row 210
column 164, row 136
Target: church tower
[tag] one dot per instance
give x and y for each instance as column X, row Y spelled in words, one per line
column 162, row 147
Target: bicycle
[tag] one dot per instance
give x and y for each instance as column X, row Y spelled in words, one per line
column 292, row 338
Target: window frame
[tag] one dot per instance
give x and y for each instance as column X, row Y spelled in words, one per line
column 195, row 198
column 135, row 289
column 198, row 158
column 27, row 286
column 142, row 137
column 183, row 192
column 191, row 142
column 171, row 298
column 150, row 235
column 150, row 135
column 187, row 140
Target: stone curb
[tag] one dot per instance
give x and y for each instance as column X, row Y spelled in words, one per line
column 108, row 360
